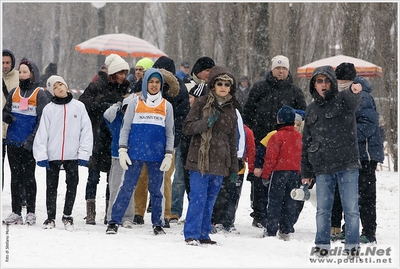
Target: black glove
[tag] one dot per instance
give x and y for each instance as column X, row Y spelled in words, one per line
column 8, row 118
column 251, row 177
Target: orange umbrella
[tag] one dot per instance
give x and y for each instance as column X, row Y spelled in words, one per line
column 122, row 44
column 363, row 68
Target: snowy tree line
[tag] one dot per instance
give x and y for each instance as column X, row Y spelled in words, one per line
column 242, row 36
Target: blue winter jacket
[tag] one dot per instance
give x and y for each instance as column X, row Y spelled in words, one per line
column 368, row 134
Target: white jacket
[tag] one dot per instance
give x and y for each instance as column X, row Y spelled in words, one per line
column 64, row 133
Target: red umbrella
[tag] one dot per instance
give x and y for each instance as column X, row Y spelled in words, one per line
column 363, row 68
column 122, row 44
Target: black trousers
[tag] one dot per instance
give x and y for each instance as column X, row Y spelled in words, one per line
column 225, row 206
column 22, row 167
column 52, row 179
column 337, row 210
column 259, row 201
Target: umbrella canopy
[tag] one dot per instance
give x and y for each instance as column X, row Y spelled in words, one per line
column 363, row 68
column 122, row 44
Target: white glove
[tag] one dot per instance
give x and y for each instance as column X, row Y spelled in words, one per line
column 166, row 163
column 124, row 158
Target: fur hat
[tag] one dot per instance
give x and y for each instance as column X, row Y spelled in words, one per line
column 345, row 71
column 53, row 79
column 280, row 60
column 201, row 64
column 146, row 63
column 115, row 64
column 286, row 115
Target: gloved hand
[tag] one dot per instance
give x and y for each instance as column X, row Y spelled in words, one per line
column 251, row 177
column 44, row 163
column 266, row 181
column 166, row 163
column 213, row 118
column 124, row 158
column 82, row 162
column 8, row 118
column 233, row 177
column 241, row 163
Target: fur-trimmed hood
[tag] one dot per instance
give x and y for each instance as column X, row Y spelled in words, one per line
column 172, row 87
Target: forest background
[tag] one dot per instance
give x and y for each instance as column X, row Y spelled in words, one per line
column 240, row 35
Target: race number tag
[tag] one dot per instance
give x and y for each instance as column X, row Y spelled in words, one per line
column 23, row 104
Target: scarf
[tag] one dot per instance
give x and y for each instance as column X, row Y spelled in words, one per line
column 203, row 155
column 344, row 86
column 154, row 100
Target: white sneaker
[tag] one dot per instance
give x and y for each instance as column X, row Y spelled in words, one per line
column 13, row 219
column 30, row 219
column 127, row 224
column 283, row 236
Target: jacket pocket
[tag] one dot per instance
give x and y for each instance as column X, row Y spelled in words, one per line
column 314, row 154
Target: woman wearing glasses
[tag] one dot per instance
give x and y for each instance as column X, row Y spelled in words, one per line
column 330, row 155
column 212, row 155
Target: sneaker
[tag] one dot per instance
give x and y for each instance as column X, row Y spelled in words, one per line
column 207, row 242
column 231, row 230
column 284, row 236
column 68, row 223
column 174, row 218
column 364, row 239
column 338, row 237
column 192, row 242
column 158, row 230
column 13, row 219
column 216, row 228
column 112, row 228
column 127, row 224
column 353, row 253
column 166, row 223
column 49, row 224
column 257, row 224
column 30, row 218
column 138, row 220
column 321, row 253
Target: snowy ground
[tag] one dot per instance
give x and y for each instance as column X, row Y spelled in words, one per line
column 89, row 247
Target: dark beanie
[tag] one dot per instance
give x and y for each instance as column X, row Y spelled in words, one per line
column 202, row 64
column 286, row 115
column 165, row 63
column 345, row 71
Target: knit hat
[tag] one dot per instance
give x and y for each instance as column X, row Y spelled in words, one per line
column 286, row 115
column 155, row 75
column 300, row 115
column 53, row 79
column 115, row 64
column 345, row 71
column 201, row 64
column 198, row 90
column 280, row 60
column 146, row 63
column 165, row 63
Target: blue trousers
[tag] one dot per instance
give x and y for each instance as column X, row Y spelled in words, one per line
column 203, row 193
column 156, row 178
column 348, row 189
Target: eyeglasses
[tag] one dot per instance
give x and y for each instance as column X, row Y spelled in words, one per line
column 139, row 69
column 220, row 84
column 320, row 81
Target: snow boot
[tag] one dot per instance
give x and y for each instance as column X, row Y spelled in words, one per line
column 91, row 211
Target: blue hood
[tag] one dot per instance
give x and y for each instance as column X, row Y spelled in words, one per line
column 147, row 74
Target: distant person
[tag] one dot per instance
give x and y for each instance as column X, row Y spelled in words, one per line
column 140, row 68
column 243, row 91
column 103, row 69
column 10, row 81
column 64, row 138
column 50, row 70
column 184, row 72
column 22, row 114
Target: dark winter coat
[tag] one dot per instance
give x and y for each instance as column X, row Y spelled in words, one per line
column 243, row 94
column 179, row 100
column 368, row 132
column 97, row 97
column 265, row 99
column 330, row 131
column 223, row 144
